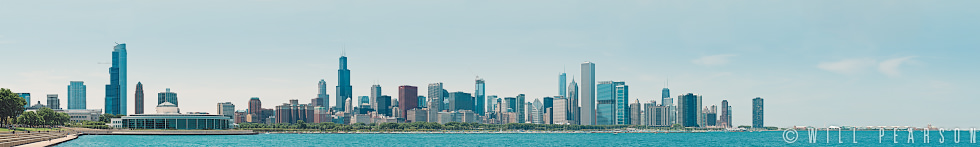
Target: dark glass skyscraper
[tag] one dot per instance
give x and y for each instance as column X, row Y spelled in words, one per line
column 115, row 91
column 688, row 109
column 138, row 105
column 344, row 90
column 757, row 113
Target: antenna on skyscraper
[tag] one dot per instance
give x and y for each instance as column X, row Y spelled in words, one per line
column 343, row 49
column 667, row 82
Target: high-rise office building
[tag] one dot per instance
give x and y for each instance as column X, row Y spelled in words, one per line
column 322, row 96
column 54, row 102
column 255, row 106
column 375, row 93
column 726, row 115
column 226, row 109
column 688, row 109
column 115, row 91
column 538, row 111
column 422, row 102
column 435, row 95
column 384, row 105
column 612, row 100
column 434, row 108
column 548, row 102
column 293, row 112
column 521, row 112
column 635, row 113
column 757, row 121
column 588, row 103
column 671, row 108
column 561, row 85
column 711, row 116
column 623, row 115
column 559, row 115
column 529, row 113
column 572, row 103
column 362, row 100
column 491, row 104
column 27, row 98
column 344, row 90
column 480, row 96
column 76, row 95
column 460, row 101
column 167, row 97
column 138, row 105
column 408, row 99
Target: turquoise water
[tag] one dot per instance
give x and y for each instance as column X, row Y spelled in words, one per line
column 864, row 138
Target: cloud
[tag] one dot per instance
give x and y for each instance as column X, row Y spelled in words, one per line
column 848, row 66
column 713, row 60
column 890, row 67
column 855, row 66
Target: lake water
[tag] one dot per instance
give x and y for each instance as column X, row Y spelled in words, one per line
column 864, row 138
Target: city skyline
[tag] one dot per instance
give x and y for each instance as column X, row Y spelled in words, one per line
column 879, row 63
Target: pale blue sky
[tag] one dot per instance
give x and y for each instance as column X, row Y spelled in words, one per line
column 904, row 63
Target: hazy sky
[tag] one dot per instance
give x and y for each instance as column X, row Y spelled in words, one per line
column 902, row 63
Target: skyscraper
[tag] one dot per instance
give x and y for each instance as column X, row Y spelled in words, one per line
column 54, row 102
column 491, row 104
column 167, row 97
column 726, row 115
column 572, row 108
column 612, row 100
column 384, row 105
column 322, row 94
column 460, row 101
column 408, row 99
column 138, row 105
column 688, row 109
column 255, row 106
column 362, row 100
column 521, row 112
column 115, row 91
column 27, row 98
column 226, row 109
column 422, row 102
column 435, row 95
column 588, row 114
column 375, row 93
column 668, row 103
column 757, row 121
column 635, row 113
column 538, row 111
column 561, row 85
column 480, row 97
column 344, row 90
column 76, row 95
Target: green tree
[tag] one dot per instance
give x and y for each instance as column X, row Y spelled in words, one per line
column 30, row 118
column 11, row 105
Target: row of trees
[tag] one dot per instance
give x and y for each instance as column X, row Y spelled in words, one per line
column 12, row 112
column 432, row 126
column 43, row 116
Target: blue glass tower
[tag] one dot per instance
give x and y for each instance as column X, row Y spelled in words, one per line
column 115, row 91
column 480, row 97
column 27, row 98
column 561, row 85
column 76, row 95
column 344, row 90
column 608, row 96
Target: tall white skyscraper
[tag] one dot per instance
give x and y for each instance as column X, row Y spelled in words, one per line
column 588, row 94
